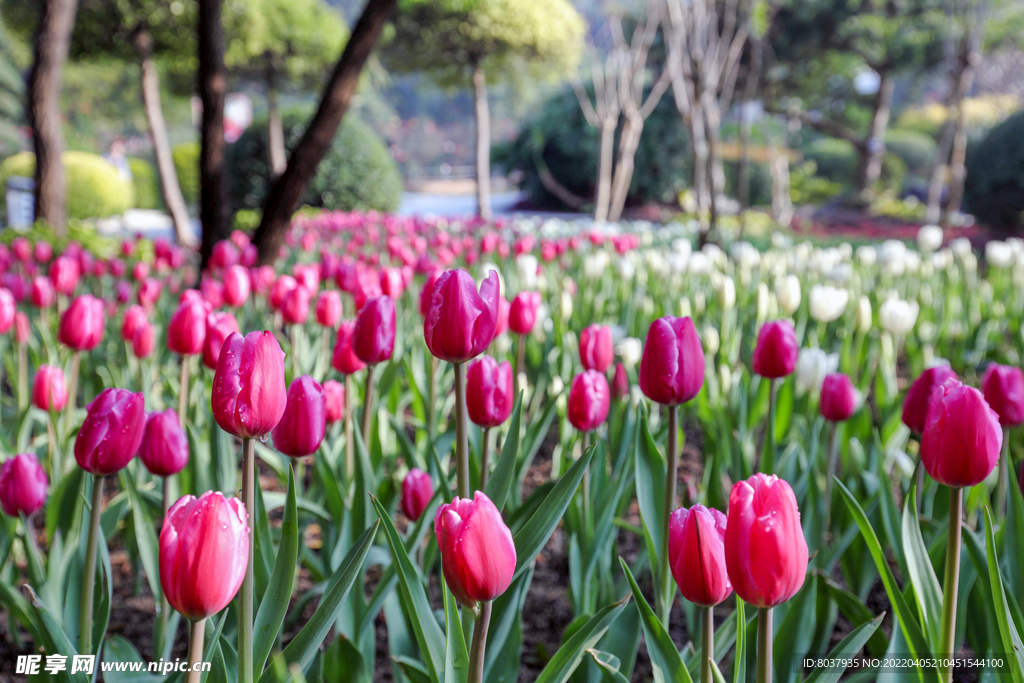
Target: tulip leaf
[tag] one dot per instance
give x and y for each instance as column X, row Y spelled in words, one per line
column 1012, row 547
column 847, row 648
column 64, row 510
column 927, row 590
column 301, row 650
column 413, row 670
column 667, row 664
column 54, row 639
column 456, row 657
column 793, row 638
column 908, row 624
column 410, row 585
column 500, row 481
column 857, row 613
column 572, row 651
column 274, row 604
column 538, row 529
column 145, row 536
column 263, row 553
column 739, row 658
column 1011, row 642
column 609, row 664
column 650, row 489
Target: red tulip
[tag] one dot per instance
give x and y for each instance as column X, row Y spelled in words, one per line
column 596, row 347
column 164, row 449
column 838, row 398
column 112, row 431
column 295, row 306
column 522, row 314
column 477, row 553
column 43, row 251
column 334, row 395
column 962, row 438
column 915, row 406
column 134, row 316
column 460, row 323
column 219, row 326
column 589, row 400
column 776, row 351
column 48, row 390
column 489, row 391
column 328, row 308
column 236, row 285
column 344, row 359
column 1003, row 387
column 23, row 484
column 22, row 328
column 204, row 552
column 504, row 310
column 187, row 330
column 280, row 289
column 304, row 422
column 417, row 490
column 696, row 548
column 43, row 293
column 765, row 549
column 248, row 396
column 672, row 365
column 143, row 340
column 224, row 254
column 427, row 293
column 81, row 326
column 64, row 272
column 373, row 338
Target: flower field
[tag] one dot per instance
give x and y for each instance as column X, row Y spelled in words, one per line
column 360, row 462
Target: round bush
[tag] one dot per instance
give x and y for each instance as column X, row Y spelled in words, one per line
column 186, row 165
column 93, row 186
column 835, row 159
column 356, row 173
column 147, row 185
column 916, row 149
column 994, row 188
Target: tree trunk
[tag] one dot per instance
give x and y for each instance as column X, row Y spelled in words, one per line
column 957, row 167
column 698, row 136
column 213, row 194
column 746, row 125
column 286, row 192
column 161, row 145
column 712, row 120
column 874, row 151
column 275, row 129
column 628, row 142
column 604, row 172
column 934, row 206
column 51, row 51
column 483, row 143
column 782, row 203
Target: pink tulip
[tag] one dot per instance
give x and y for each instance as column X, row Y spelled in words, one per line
column 589, row 400
column 164, row 449
column 302, row 427
column 344, row 359
column 22, row 327
column 23, row 484
column 915, row 405
column 460, row 322
column 43, row 294
column 295, row 306
column 417, row 490
column 8, row 307
column 620, row 383
column 279, row 290
column 672, row 365
column 373, row 338
column 81, row 326
column 187, row 330
column 48, row 390
column 334, row 395
column 478, row 556
column 962, row 438
column 65, row 272
column 1003, row 387
column 248, row 397
column 522, row 314
column 219, row 326
column 838, row 398
column 776, row 351
column 489, row 391
column 696, row 548
column 427, row 293
column 112, row 431
column 149, row 293
column 236, row 286
column 143, row 340
column 504, row 310
column 328, row 308
column 596, row 347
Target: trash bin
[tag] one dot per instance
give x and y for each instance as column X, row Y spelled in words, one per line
column 20, row 200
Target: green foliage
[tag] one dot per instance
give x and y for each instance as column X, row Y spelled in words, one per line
column 560, row 138
column 356, row 173
column 93, row 185
column 994, row 189
column 916, row 149
column 835, row 160
column 10, row 93
column 759, row 178
column 887, row 203
column 806, row 186
column 147, row 184
column 186, row 165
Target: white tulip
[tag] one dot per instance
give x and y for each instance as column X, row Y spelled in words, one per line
column 929, row 238
column 626, row 269
column 998, row 254
column 864, row 315
column 595, row 264
column 897, row 316
column 725, row 377
column 827, row 303
column 960, row 247
column 630, row 350
column 684, row 308
column 727, row 293
column 565, row 305
column 698, row 264
column 763, row 301
column 867, row 255
column 787, row 291
column 812, row 366
column 710, row 340
column 526, row 266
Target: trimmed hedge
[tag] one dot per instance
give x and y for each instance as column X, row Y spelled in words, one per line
column 837, row 160
column 186, row 165
column 147, row 184
column 916, row 149
column 994, row 188
column 93, row 185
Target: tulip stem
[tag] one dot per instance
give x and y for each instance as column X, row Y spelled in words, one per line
column 183, row 391
column 432, row 394
column 833, row 457
column 1004, row 474
column 708, row 644
column 768, row 452
column 89, row 579
column 764, row 645
column 245, row 655
column 296, row 336
column 484, row 456
column 165, row 607
column 461, row 435
column 671, row 474
column 520, row 362
column 195, row 651
column 368, row 407
column 588, row 521
column 69, row 408
column 951, row 583
column 476, row 656
column 56, row 466
column 350, row 446
column 22, row 377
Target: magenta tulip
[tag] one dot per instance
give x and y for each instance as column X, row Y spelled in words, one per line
column 477, row 553
column 110, row 436
column 962, row 438
column 915, row 406
column 489, row 391
column 248, row 397
column 81, row 326
column 64, row 272
column 219, row 326
column 696, row 547
column 8, row 307
column 589, row 400
column 134, row 316
column 48, row 390
column 164, row 449
column 43, row 294
column 672, row 365
column 522, row 314
column 345, row 359
column 237, row 285
column 187, row 330
column 776, row 350
column 1003, row 387
column 373, row 338
column 23, row 485
column 838, row 398
column 302, row 427
column 295, row 306
column 596, row 347
column 417, row 490
column 143, row 340
column 334, row 396
column 328, row 308
column 460, row 322
column 620, row 382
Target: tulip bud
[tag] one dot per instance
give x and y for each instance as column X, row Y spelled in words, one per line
column 22, row 328
column 776, row 351
column 1003, row 387
column 334, row 396
column 489, row 392
column 504, row 308
column 164, row 449
column 112, row 431
column 344, row 359
column 620, row 383
column 237, row 285
column 248, row 397
column 328, row 308
column 828, row 303
column 149, row 293
column 478, row 556
column 460, row 322
column 838, row 398
column 596, row 347
column 64, row 272
column 765, row 549
column 417, row 490
column 915, row 405
column 373, row 338
column 787, row 292
column 672, row 365
column 48, row 390
column 219, row 327
column 204, row 552
column 142, row 341
column 187, row 330
column 81, row 326
column 522, row 314
column 427, row 293
column 696, row 550
column 302, row 427
column 43, row 294
column 962, row 438
column 23, row 484
column 279, row 291
column 589, row 400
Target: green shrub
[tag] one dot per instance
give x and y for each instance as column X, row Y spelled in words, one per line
column 186, row 165
column 93, row 186
column 356, row 173
column 760, row 182
column 147, row 184
column 994, row 188
column 916, row 149
column 807, row 187
column 835, row 159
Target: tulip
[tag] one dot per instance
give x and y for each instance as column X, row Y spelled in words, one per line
column 237, row 285
column 142, row 342
column 334, row 396
column 522, row 314
column 775, row 354
column 345, row 359
column 22, row 327
column 134, row 316
column 812, row 367
column 596, row 347
column 838, row 398
column 23, row 486
column 460, row 322
column 187, row 330
column 827, row 303
column 302, row 427
column 696, row 544
column 164, row 449
column 295, row 306
column 915, row 405
column 81, row 326
column 219, row 326
column 48, row 391
column 504, row 310
column 43, row 294
column 589, row 399
column 328, row 308
column 897, row 317
column 373, row 338
column 279, row 291
column 787, row 292
column 620, row 383
column 417, row 490
column 489, row 392
column 64, row 272
column 672, row 365
column 765, row 552
column 8, row 307
column 1003, row 387
column 149, row 293
column 427, row 293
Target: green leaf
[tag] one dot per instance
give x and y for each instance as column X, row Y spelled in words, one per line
column 572, row 651
column 344, row 662
column 793, row 638
column 413, row 670
column 274, row 604
column 1011, row 642
column 650, row 489
column 927, row 590
column 667, row 664
column 55, row 640
column 118, row 649
column 739, row 660
column 855, row 610
column 610, row 664
column 538, row 529
column 145, row 536
column 306, row 644
column 848, row 647
column 456, row 657
column 500, row 482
